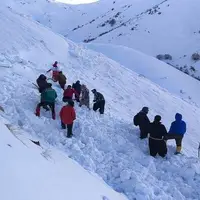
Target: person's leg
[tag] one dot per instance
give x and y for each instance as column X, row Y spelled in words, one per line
column 52, row 106
column 95, row 106
column 63, row 125
column 102, row 106
column 69, row 130
column 152, row 147
column 143, row 133
column 178, row 144
column 37, row 111
column 162, row 151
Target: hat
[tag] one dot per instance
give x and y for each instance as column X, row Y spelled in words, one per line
column 49, row 85
column 145, row 109
column 71, row 103
column 157, row 118
column 94, row 90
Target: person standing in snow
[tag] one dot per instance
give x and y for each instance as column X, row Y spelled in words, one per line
column 42, row 83
column 77, row 88
column 48, row 98
column 62, row 80
column 55, row 70
column 67, row 116
column 68, row 93
column 177, row 131
column 99, row 101
column 156, row 143
column 84, row 96
column 142, row 120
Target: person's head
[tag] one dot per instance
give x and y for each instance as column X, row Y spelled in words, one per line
column 178, row 117
column 49, row 85
column 78, row 82
column 42, row 77
column 157, row 118
column 71, row 103
column 60, row 72
column 69, row 87
column 145, row 110
column 94, row 91
column 56, row 62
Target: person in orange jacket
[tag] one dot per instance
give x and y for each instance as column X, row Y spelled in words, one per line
column 67, row 116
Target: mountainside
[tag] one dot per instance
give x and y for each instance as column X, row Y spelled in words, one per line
column 164, row 28
column 106, row 145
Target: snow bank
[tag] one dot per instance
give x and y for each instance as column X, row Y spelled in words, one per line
column 32, row 172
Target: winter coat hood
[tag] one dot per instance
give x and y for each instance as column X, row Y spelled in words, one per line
column 178, row 126
column 178, row 117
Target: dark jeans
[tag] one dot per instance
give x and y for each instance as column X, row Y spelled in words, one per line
column 99, row 105
column 77, row 97
column 157, row 147
column 45, row 105
column 69, row 129
column 177, row 138
column 66, row 99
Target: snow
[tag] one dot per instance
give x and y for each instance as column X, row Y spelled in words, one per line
column 32, row 172
column 164, row 75
column 105, row 145
column 75, row 2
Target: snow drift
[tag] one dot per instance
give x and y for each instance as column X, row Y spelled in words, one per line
column 32, row 172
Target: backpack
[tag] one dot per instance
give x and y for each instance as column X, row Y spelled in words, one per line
column 136, row 120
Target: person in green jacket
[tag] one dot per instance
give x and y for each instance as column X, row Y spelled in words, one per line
column 48, row 97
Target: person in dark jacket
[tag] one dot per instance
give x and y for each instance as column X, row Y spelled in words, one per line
column 48, row 98
column 143, row 122
column 68, row 93
column 99, row 101
column 61, row 80
column 77, row 88
column 67, row 116
column 42, row 83
column 157, row 131
column 177, row 131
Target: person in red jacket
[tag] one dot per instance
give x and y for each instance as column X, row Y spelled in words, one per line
column 67, row 116
column 68, row 93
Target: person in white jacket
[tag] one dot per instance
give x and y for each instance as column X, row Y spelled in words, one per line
column 55, row 69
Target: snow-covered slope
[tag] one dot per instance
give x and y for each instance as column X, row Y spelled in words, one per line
column 152, row 27
column 107, row 145
column 32, row 172
column 160, row 73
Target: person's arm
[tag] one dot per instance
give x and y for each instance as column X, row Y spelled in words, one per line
column 61, row 113
column 75, row 92
column 184, row 128
column 164, row 132
column 73, row 114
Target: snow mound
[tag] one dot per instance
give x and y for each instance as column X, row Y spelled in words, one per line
column 41, row 173
column 106, row 145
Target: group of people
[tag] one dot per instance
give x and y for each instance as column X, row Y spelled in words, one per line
column 158, row 135
column 76, row 91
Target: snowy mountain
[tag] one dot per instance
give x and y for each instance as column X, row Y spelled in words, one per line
column 105, row 145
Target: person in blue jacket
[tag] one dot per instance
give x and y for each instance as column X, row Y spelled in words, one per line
column 177, row 131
